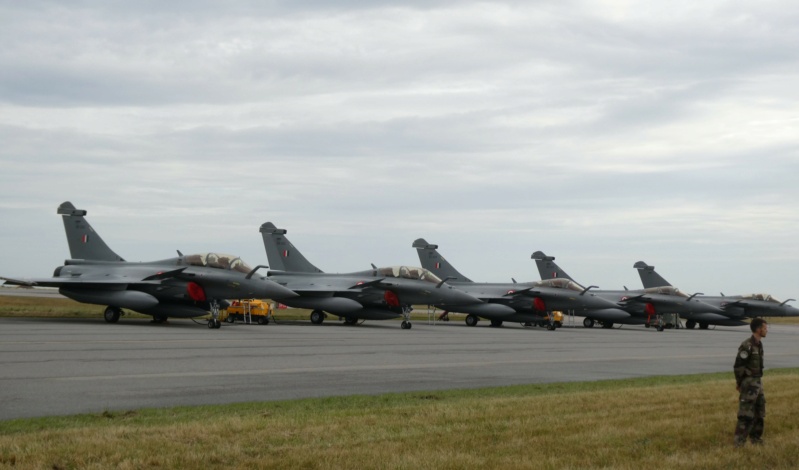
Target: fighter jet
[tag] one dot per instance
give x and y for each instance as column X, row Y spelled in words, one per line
column 735, row 307
column 634, row 306
column 182, row 287
column 526, row 302
column 375, row 294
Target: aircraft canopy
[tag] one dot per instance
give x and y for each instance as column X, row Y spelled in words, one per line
column 763, row 297
column 409, row 272
column 218, row 261
column 561, row 283
column 666, row 290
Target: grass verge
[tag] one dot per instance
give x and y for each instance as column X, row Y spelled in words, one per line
column 663, row 422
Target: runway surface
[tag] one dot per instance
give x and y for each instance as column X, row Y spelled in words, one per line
column 68, row 366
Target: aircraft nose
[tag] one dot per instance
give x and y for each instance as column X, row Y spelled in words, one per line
column 594, row 302
column 697, row 306
column 458, row 297
column 274, row 290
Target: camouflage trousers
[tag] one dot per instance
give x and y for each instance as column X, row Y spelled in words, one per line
column 751, row 411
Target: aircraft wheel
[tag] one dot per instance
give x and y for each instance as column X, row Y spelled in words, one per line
column 211, row 324
column 551, row 327
column 406, row 325
column 607, row 324
column 351, row 320
column 646, row 325
column 588, row 322
column 472, row 320
column 660, row 328
column 261, row 321
column 703, row 326
column 496, row 323
column 111, row 314
column 690, row 324
column 317, row 317
column 217, row 324
column 230, row 319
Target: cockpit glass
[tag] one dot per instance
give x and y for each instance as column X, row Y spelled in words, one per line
column 666, row 290
column 409, row 272
column 561, row 283
column 218, row 261
column 763, row 297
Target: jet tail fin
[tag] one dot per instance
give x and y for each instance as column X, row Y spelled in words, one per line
column 435, row 263
column 547, row 268
column 282, row 255
column 649, row 278
column 84, row 242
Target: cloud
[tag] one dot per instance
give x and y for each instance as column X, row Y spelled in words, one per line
column 602, row 132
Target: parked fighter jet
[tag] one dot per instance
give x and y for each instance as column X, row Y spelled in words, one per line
column 735, row 307
column 527, row 302
column 375, row 294
column 634, row 306
column 183, row 287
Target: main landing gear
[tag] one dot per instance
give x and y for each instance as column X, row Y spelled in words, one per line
column 112, row 314
column 317, row 317
column 691, row 324
column 589, row 323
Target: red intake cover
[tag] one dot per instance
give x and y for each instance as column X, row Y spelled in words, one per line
column 391, row 299
column 650, row 309
column 539, row 304
column 196, row 292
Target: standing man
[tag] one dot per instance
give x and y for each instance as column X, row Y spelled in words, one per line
column 748, row 372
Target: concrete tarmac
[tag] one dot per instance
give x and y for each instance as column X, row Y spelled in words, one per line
column 68, row 366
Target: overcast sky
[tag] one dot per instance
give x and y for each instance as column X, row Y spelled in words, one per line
column 600, row 132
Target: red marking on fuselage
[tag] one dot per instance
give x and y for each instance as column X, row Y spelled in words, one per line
column 196, row 292
column 391, row 299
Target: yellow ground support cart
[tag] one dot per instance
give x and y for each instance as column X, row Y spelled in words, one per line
column 249, row 311
column 557, row 318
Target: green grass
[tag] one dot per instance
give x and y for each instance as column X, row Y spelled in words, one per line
column 663, row 422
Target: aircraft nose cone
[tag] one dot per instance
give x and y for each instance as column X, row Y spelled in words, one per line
column 594, row 302
column 697, row 306
column 458, row 297
column 274, row 290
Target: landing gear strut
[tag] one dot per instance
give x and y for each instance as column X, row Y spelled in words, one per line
column 213, row 322
column 406, row 314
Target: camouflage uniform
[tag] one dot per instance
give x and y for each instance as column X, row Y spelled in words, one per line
column 752, row 409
